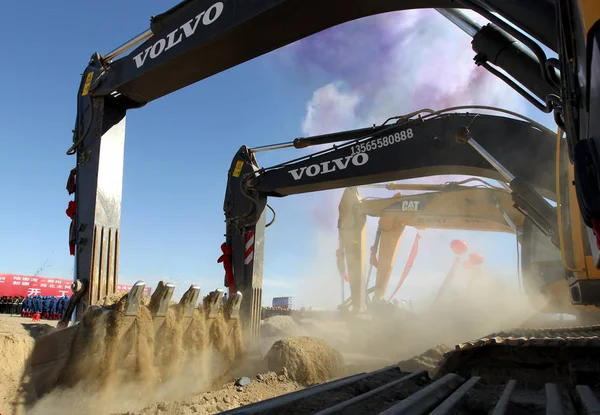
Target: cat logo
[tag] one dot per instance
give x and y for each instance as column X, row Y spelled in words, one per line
column 410, row 205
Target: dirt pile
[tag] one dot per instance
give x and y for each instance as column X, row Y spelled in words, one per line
column 17, row 337
column 306, row 360
column 428, row 361
column 279, row 327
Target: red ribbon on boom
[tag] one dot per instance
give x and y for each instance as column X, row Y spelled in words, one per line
column 409, row 264
column 226, row 260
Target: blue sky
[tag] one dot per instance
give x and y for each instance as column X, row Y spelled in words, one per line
column 178, row 149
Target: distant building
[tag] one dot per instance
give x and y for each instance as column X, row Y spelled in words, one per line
column 285, row 303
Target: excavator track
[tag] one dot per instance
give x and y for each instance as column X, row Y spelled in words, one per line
column 525, row 371
column 560, row 355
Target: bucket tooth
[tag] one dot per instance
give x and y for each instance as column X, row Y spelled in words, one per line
column 232, row 307
column 213, row 303
column 188, row 303
column 159, row 303
column 132, row 304
column 134, row 297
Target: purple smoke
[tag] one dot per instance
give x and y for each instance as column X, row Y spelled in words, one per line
column 391, row 64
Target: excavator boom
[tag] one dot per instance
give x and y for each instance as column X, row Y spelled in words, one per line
column 470, row 208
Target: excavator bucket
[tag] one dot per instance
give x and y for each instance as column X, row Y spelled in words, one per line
column 135, row 338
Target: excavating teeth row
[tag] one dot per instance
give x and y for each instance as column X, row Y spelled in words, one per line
column 160, row 302
column 134, row 337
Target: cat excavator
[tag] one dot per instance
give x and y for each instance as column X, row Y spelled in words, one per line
column 449, row 206
column 197, row 39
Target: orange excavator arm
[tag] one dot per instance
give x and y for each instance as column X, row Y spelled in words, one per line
column 352, row 242
column 390, row 231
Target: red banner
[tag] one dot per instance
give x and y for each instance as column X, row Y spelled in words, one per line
column 409, row 264
column 14, row 285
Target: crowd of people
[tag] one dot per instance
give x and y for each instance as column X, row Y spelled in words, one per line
column 52, row 308
column 46, row 307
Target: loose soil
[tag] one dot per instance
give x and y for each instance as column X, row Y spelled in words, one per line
column 230, row 396
column 189, row 375
column 188, row 392
column 17, row 336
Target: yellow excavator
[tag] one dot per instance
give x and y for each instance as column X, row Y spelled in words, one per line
column 455, row 206
column 197, row 39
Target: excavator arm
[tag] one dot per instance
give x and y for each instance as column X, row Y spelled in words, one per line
column 199, row 38
column 375, row 155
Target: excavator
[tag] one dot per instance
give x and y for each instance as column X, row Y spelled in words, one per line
column 199, row 38
column 449, row 206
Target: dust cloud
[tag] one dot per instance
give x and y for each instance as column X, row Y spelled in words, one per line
column 476, row 303
column 128, row 396
column 463, row 313
column 322, row 289
column 118, row 366
column 474, row 309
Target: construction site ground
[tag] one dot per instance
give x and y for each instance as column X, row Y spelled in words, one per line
column 317, row 338
column 190, row 395
column 17, row 336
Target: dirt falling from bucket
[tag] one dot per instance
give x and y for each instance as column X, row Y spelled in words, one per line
column 89, row 345
column 218, row 336
column 145, row 373
column 195, row 338
column 237, row 339
column 115, row 348
column 121, row 363
column 171, row 359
